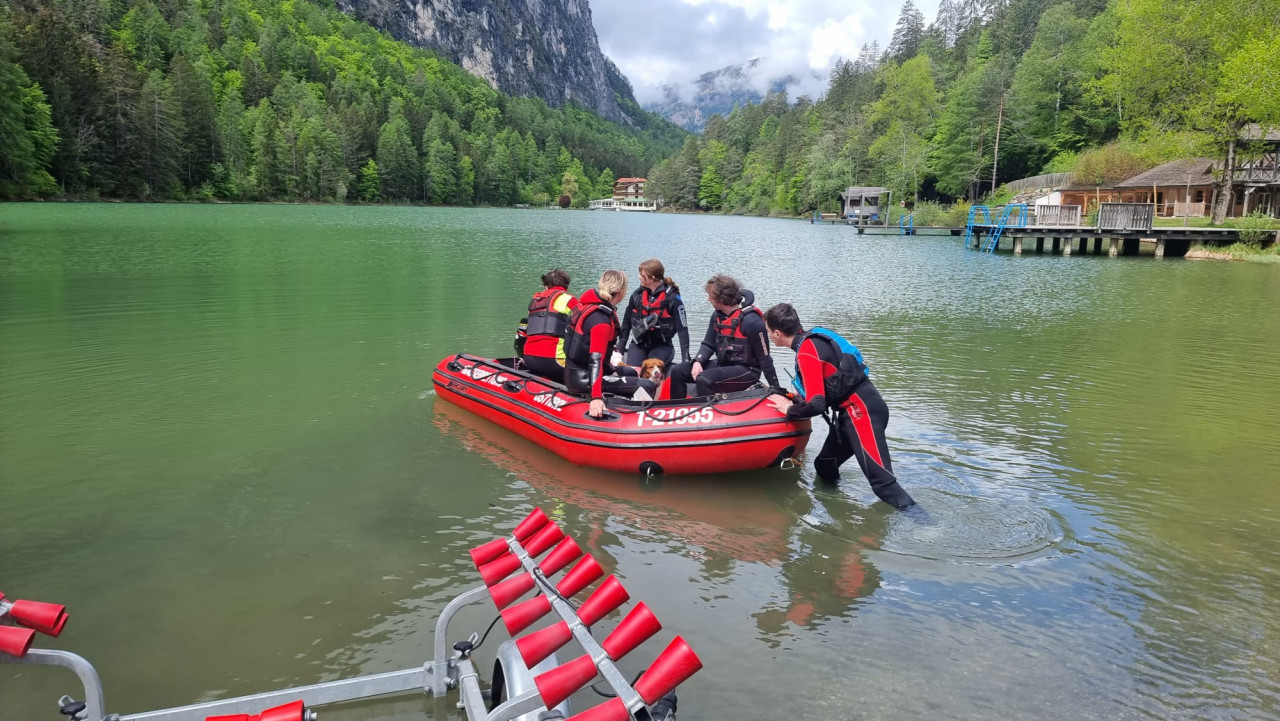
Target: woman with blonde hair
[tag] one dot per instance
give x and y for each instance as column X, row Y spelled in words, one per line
column 653, row 319
column 593, row 331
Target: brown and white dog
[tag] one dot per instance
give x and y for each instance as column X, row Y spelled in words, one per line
column 653, row 369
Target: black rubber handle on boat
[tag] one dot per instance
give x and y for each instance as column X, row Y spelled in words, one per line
column 606, row 417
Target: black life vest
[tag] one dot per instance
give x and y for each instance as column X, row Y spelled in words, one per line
column 577, row 344
column 652, row 324
column 542, row 319
column 731, row 342
column 851, row 371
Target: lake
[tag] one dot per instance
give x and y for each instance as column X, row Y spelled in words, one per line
column 219, row 446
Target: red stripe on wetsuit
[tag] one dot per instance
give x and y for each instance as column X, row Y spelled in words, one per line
column 814, row 369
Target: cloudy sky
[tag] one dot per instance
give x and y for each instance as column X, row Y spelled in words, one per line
column 658, row 42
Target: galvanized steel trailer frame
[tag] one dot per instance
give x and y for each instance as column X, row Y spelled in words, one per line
column 450, row 669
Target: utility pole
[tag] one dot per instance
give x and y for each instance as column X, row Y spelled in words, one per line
column 995, row 161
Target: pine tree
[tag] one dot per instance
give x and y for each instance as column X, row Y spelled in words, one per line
column 28, row 139
column 118, row 167
column 711, row 185
column 161, row 134
column 466, row 180
column 604, row 183
column 55, row 55
column 907, row 34
column 500, row 177
column 265, row 167
column 233, row 142
column 370, row 184
column 193, row 92
column 949, row 22
column 397, row 159
column 144, row 34
column 441, row 172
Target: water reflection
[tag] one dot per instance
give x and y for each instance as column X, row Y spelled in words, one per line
column 768, row 518
column 219, row 406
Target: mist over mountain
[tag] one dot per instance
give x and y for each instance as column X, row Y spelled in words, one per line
column 716, row 92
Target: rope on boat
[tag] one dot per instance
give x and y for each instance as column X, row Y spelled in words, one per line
column 521, row 384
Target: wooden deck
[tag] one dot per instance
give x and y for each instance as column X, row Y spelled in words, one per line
column 1171, row 241
column 1081, row 240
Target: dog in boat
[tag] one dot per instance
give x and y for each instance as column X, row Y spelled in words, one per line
column 653, row 369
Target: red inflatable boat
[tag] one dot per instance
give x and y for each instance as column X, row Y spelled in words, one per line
column 727, row 432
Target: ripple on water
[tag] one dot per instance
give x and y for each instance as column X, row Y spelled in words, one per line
column 967, row 529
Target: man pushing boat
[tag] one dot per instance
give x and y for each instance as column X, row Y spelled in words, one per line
column 831, row 376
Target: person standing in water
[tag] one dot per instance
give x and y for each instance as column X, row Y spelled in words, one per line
column 831, row 376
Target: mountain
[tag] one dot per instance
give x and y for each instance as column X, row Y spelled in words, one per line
column 715, row 92
column 542, row 48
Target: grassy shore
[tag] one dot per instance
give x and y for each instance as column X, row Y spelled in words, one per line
column 1201, row 223
column 1238, row 251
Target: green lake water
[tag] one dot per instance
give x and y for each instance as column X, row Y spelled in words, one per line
column 220, row 447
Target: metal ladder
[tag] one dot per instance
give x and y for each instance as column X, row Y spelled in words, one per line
column 907, row 225
column 978, row 215
column 1013, row 215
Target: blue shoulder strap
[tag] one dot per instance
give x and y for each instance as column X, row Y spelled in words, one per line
column 843, row 345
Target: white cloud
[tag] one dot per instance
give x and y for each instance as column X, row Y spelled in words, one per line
column 670, row 42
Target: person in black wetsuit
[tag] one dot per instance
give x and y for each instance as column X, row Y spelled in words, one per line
column 653, row 319
column 592, row 333
column 735, row 351
column 860, row 414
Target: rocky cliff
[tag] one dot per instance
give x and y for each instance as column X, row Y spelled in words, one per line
column 543, row 48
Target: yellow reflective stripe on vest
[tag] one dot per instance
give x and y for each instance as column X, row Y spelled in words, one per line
column 561, row 303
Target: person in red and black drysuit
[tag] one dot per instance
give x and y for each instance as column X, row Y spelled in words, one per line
column 736, row 338
column 543, row 352
column 860, row 417
column 653, row 319
column 593, row 331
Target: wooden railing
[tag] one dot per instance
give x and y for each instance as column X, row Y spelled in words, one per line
column 1126, row 216
column 1057, row 215
column 1185, row 210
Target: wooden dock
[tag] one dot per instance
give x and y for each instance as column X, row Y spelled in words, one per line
column 1170, row 241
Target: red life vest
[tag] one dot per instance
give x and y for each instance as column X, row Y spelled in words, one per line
column 731, row 342
column 543, row 319
column 577, row 344
column 652, row 323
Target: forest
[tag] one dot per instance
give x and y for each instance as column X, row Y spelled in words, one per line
column 993, row 91
column 263, row 100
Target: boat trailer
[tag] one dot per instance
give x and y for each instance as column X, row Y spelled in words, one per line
column 529, row 683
